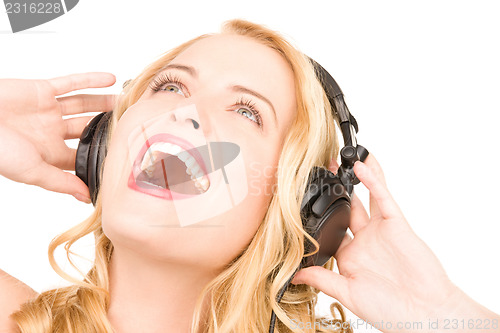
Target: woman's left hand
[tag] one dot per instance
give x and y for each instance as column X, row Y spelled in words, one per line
column 387, row 273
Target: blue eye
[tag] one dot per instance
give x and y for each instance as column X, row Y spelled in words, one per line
column 249, row 108
column 172, row 88
column 165, row 82
column 248, row 112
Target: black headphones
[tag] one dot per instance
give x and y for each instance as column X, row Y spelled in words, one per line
column 326, row 206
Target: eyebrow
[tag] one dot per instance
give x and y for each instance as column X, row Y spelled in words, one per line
column 190, row 70
column 236, row 88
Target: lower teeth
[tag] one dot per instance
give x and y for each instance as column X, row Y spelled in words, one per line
column 153, row 184
column 198, row 187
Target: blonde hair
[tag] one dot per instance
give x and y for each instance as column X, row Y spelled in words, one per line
column 243, row 295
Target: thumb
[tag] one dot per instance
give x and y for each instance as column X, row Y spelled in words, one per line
column 329, row 282
column 54, row 179
column 334, row 166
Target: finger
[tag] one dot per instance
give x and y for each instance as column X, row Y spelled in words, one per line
column 359, row 216
column 330, row 283
column 61, row 156
column 86, row 103
column 384, row 200
column 66, row 158
column 75, row 126
column 374, row 209
column 54, row 179
column 373, row 164
column 65, row 84
column 345, row 241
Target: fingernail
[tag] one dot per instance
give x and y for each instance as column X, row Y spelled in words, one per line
column 82, row 198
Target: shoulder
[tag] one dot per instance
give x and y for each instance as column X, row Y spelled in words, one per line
column 14, row 294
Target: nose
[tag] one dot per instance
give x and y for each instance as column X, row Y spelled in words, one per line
column 186, row 116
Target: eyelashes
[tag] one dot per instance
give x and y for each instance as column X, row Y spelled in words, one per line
column 173, row 81
column 163, row 79
column 250, row 106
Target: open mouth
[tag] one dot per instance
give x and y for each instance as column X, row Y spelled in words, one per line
column 167, row 164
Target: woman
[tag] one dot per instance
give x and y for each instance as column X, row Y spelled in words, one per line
column 159, row 269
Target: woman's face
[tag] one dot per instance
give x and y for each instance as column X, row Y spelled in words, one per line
column 202, row 123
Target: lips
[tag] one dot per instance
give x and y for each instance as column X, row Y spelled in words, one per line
column 156, row 191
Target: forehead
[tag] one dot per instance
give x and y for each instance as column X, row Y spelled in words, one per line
column 236, row 53
column 233, row 59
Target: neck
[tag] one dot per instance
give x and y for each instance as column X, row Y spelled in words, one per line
column 148, row 295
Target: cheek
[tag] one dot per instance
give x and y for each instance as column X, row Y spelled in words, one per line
column 261, row 180
column 259, row 152
column 242, row 222
column 261, row 163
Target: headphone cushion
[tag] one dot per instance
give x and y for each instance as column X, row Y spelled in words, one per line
column 325, row 212
column 329, row 230
column 91, row 152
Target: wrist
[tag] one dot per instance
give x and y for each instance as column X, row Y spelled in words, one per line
column 460, row 313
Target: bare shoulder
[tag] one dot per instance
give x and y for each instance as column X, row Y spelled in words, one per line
column 13, row 294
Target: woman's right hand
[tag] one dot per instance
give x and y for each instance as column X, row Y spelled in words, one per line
column 32, row 129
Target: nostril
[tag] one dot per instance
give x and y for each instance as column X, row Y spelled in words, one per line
column 195, row 124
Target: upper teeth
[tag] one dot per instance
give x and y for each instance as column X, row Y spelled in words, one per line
column 192, row 167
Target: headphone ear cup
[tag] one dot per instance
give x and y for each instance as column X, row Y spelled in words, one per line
column 91, row 152
column 103, row 148
column 325, row 212
column 329, row 231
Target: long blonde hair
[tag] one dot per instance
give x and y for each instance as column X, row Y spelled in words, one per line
column 243, row 295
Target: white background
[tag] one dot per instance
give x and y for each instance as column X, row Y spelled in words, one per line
column 422, row 79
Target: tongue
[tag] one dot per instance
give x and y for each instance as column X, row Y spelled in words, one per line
column 169, row 172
